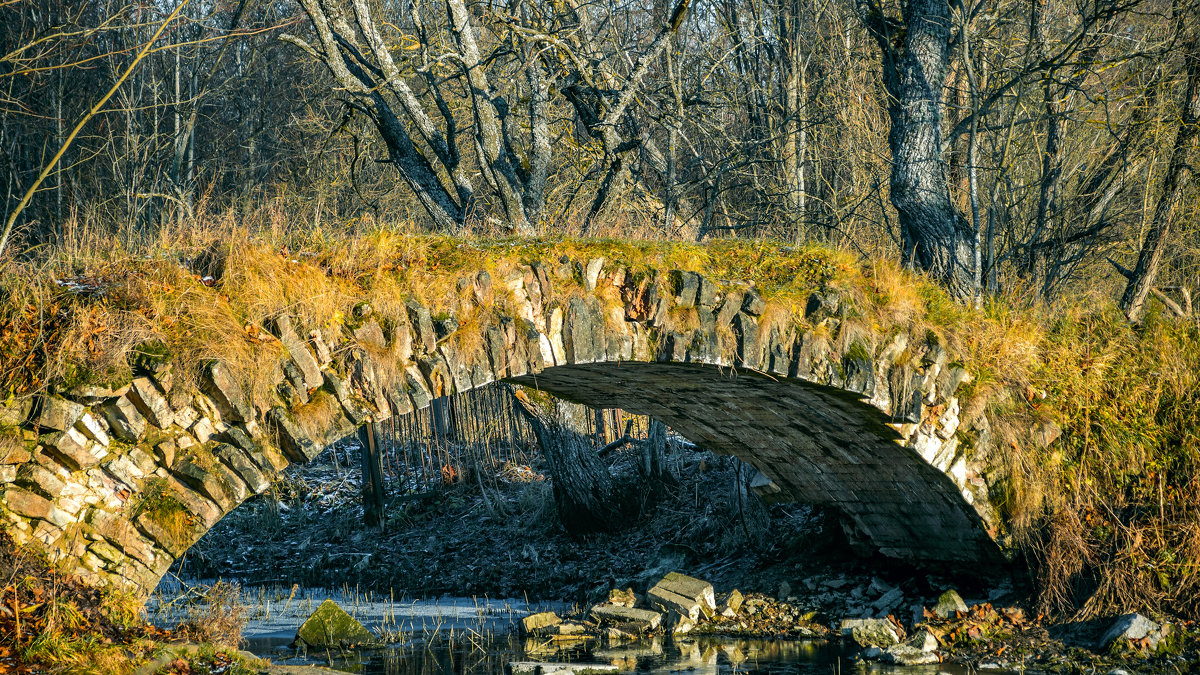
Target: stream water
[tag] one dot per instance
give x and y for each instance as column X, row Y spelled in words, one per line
column 477, row 635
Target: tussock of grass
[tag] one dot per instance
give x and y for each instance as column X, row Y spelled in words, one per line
column 62, row 625
column 1107, row 515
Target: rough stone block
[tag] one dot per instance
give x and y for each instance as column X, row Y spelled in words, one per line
column 58, row 413
column 369, row 333
column 26, row 503
column 331, row 626
column 422, row 323
column 217, row 382
column 151, row 403
column 124, row 421
column 207, row 482
column 626, row 618
column 749, row 348
column 39, row 479
column 879, row 633
column 74, row 449
column 753, row 304
column 668, row 601
column 93, row 428
column 298, row 446
column 693, row 589
column 243, row 466
column 298, row 350
column 536, row 624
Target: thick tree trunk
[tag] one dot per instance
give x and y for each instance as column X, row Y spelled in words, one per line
column 653, row 460
column 1142, row 278
column 935, row 236
column 584, row 491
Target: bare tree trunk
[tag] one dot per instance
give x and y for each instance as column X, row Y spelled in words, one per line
column 584, row 491
column 935, row 236
column 1179, row 171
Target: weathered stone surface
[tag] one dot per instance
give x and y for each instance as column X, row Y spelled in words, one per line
column 904, row 655
column 26, row 503
column 948, row 603
column 74, row 449
column 218, row 383
column 370, row 333
column 330, row 626
column 58, row 413
column 298, row 350
column 535, row 624
column 626, row 618
column 40, row 479
column 206, row 481
column 730, row 604
column 667, row 601
column 422, row 323
column 298, row 446
column 624, row 598
column 243, row 466
column 93, row 428
column 124, row 420
column 151, row 403
column 871, row 632
column 1132, row 627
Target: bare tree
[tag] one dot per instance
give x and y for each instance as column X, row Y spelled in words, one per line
column 1178, row 174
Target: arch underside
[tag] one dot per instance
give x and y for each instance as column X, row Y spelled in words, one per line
column 819, row 444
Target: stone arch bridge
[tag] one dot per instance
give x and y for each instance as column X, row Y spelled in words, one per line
column 119, row 482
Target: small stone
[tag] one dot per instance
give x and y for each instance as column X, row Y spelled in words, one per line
column 1132, row 627
column 731, row 604
column 331, row 626
column 924, row 641
column 889, row 600
column 904, row 655
column 536, row 624
column 151, row 403
column 870, row 632
column 948, row 603
column 93, row 428
column 871, row 653
column 785, row 589
column 124, row 421
column 624, row 598
column 592, row 273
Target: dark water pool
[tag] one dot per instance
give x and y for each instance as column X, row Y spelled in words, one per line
column 472, row 652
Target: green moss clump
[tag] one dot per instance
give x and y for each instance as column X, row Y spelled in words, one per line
column 150, row 356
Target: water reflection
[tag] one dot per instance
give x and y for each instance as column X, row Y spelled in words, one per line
column 476, row 653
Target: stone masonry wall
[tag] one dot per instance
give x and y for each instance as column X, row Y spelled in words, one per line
column 118, row 482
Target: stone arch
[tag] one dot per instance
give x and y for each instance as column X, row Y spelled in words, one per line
column 120, row 482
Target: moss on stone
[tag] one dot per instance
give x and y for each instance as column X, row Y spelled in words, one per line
column 331, row 626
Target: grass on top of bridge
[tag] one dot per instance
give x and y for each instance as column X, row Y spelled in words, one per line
column 1108, row 514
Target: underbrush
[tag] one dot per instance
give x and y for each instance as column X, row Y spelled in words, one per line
column 1092, row 425
column 50, row 622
